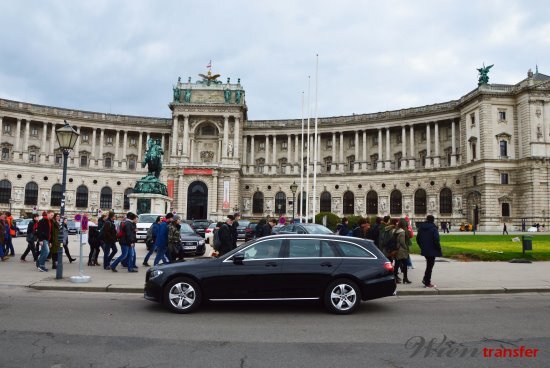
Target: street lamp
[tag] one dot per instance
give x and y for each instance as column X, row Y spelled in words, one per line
column 66, row 138
column 293, row 188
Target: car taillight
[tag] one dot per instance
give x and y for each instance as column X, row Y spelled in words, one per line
column 247, row 230
column 208, row 230
column 388, row 266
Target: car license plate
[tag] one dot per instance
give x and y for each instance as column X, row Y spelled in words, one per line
column 190, row 247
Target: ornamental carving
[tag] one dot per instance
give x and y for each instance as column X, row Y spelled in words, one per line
column 207, row 156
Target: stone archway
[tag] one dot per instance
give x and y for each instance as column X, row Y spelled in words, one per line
column 197, row 201
column 473, row 208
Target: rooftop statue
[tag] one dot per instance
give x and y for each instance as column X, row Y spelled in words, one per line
column 484, row 74
column 209, row 78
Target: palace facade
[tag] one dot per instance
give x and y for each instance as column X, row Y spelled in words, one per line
column 483, row 158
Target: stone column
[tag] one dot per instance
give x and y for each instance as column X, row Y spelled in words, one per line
column 274, row 169
column 162, row 141
column 52, row 140
column 2, row 129
column 147, row 137
column 341, row 158
column 117, row 144
column 101, row 141
column 428, row 147
column 334, row 159
column 192, row 153
column 125, row 145
column 267, row 162
column 140, row 149
column 18, row 136
column 215, row 192
column 225, row 136
column 403, row 148
column 44, row 137
column 219, row 149
column 181, row 196
column 380, row 163
column 290, row 158
column 236, row 138
column 436, row 160
column 365, row 159
column 412, row 152
column 175, row 136
column 297, row 153
column 388, row 152
column 453, row 144
column 245, row 151
column 319, row 160
column 27, row 132
column 252, row 161
column 185, row 145
column 93, row 154
column 356, row 163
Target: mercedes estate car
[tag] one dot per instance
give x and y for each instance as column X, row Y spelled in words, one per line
column 339, row 271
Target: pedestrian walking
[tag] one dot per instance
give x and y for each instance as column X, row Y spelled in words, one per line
column 10, row 233
column 362, row 230
column 234, row 230
column 430, row 247
column 161, row 242
column 44, row 235
column 504, row 229
column 95, row 244
column 55, row 242
column 342, row 228
column 127, row 238
column 150, row 240
column 175, row 252
column 268, row 229
column 31, row 239
column 108, row 234
column 65, row 232
column 226, row 236
column 259, row 230
column 403, row 246
column 3, row 256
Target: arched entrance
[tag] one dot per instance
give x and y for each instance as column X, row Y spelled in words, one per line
column 197, row 201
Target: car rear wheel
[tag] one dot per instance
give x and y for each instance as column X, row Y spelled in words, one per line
column 342, row 296
column 182, row 295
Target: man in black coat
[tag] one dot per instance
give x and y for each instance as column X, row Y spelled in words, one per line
column 428, row 240
column 234, row 232
column 226, row 236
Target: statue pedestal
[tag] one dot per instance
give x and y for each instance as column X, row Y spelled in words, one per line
column 149, row 203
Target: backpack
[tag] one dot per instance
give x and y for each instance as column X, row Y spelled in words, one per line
column 388, row 241
column 149, row 237
column 121, row 231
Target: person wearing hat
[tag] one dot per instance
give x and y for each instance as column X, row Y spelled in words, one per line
column 234, row 232
column 174, row 239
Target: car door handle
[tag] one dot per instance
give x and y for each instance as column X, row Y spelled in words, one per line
column 271, row 264
column 326, row 264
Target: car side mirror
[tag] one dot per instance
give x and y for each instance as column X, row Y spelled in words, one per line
column 238, row 258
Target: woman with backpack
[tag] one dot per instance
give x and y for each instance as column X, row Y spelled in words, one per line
column 109, row 235
column 403, row 243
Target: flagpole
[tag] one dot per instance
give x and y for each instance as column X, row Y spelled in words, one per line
column 302, row 164
column 316, row 153
column 308, row 144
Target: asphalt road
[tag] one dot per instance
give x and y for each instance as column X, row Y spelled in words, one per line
column 70, row 329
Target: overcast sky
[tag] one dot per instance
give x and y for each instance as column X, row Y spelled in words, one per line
column 123, row 56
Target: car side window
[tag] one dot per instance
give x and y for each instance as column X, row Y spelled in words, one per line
column 327, row 249
column 353, row 250
column 304, row 248
column 264, row 250
column 287, row 228
column 300, row 230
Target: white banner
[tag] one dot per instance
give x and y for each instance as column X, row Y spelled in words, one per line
column 226, row 195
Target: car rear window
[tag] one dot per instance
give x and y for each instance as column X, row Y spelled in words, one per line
column 352, row 250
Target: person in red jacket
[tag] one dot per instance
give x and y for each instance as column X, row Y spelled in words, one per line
column 10, row 233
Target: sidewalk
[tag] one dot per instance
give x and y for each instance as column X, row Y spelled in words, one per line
column 451, row 277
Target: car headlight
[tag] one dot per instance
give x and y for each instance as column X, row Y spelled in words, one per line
column 201, row 242
column 156, row 273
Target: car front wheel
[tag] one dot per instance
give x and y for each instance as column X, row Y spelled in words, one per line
column 182, row 295
column 342, row 296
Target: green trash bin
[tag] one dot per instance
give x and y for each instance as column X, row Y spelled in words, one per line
column 527, row 243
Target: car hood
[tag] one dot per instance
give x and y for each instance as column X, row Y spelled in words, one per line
column 144, row 224
column 190, row 237
column 190, row 262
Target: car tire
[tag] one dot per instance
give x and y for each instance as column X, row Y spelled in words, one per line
column 182, row 295
column 342, row 296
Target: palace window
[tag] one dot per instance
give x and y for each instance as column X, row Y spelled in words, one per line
column 372, row 203
column 83, row 160
column 448, row 154
column 280, row 203
column 5, row 154
column 472, row 120
column 474, row 180
column 34, row 131
column 328, row 164
column 348, row 203
column 284, row 146
column 501, row 114
column 133, row 141
column 33, row 155
column 375, row 140
column 420, row 202
column 7, row 128
column 503, row 149
column 374, row 160
column 423, row 155
column 446, row 201
column 505, row 208
column 55, row 198
column 329, row 143
column 261, row 146
column 82, row 196
column 108, row 162
column 352, row 143
column 258, row 203
column 260, row 164
column 106, row 198
column 325, row 202
column 85, row 137
column 396, row 202
column 58, row 159
column 423, row 136
column 31, row 194
column 5, row 191
column 208, row 130
column 351, row 162
column 132, row 163
column 126, row 198
column 398, row 156
column 503, row 178
column 399, row 139
column 109, row 140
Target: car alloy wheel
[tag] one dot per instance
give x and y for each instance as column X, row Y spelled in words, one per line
column 182, row 295
column 342, row 297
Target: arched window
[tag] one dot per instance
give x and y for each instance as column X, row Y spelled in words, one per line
column 420, row 206
column 106, row 198
column 126, row 199
column 396, row 207
column 372, row 203
column 302, row 203
column 446, row 201
column 258, row 203
column 5, row 191
column 55, row 200
column 31, row 194
column 348, row 207
column 82, row 196
column 326, row 202
column 280, row 203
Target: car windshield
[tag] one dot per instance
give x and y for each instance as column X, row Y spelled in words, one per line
column 201, row 223
column 186, row 229
column 212, row 225
column 148, row 219
column 70, row 223
column 317, row 229
column 252, row 225
column 244, row 223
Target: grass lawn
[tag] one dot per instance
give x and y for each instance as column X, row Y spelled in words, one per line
column 490, row 247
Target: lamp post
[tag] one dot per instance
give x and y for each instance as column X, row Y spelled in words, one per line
column 66, row 138
column 293, row 188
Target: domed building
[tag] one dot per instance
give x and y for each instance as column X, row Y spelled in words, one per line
column 483, row 158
